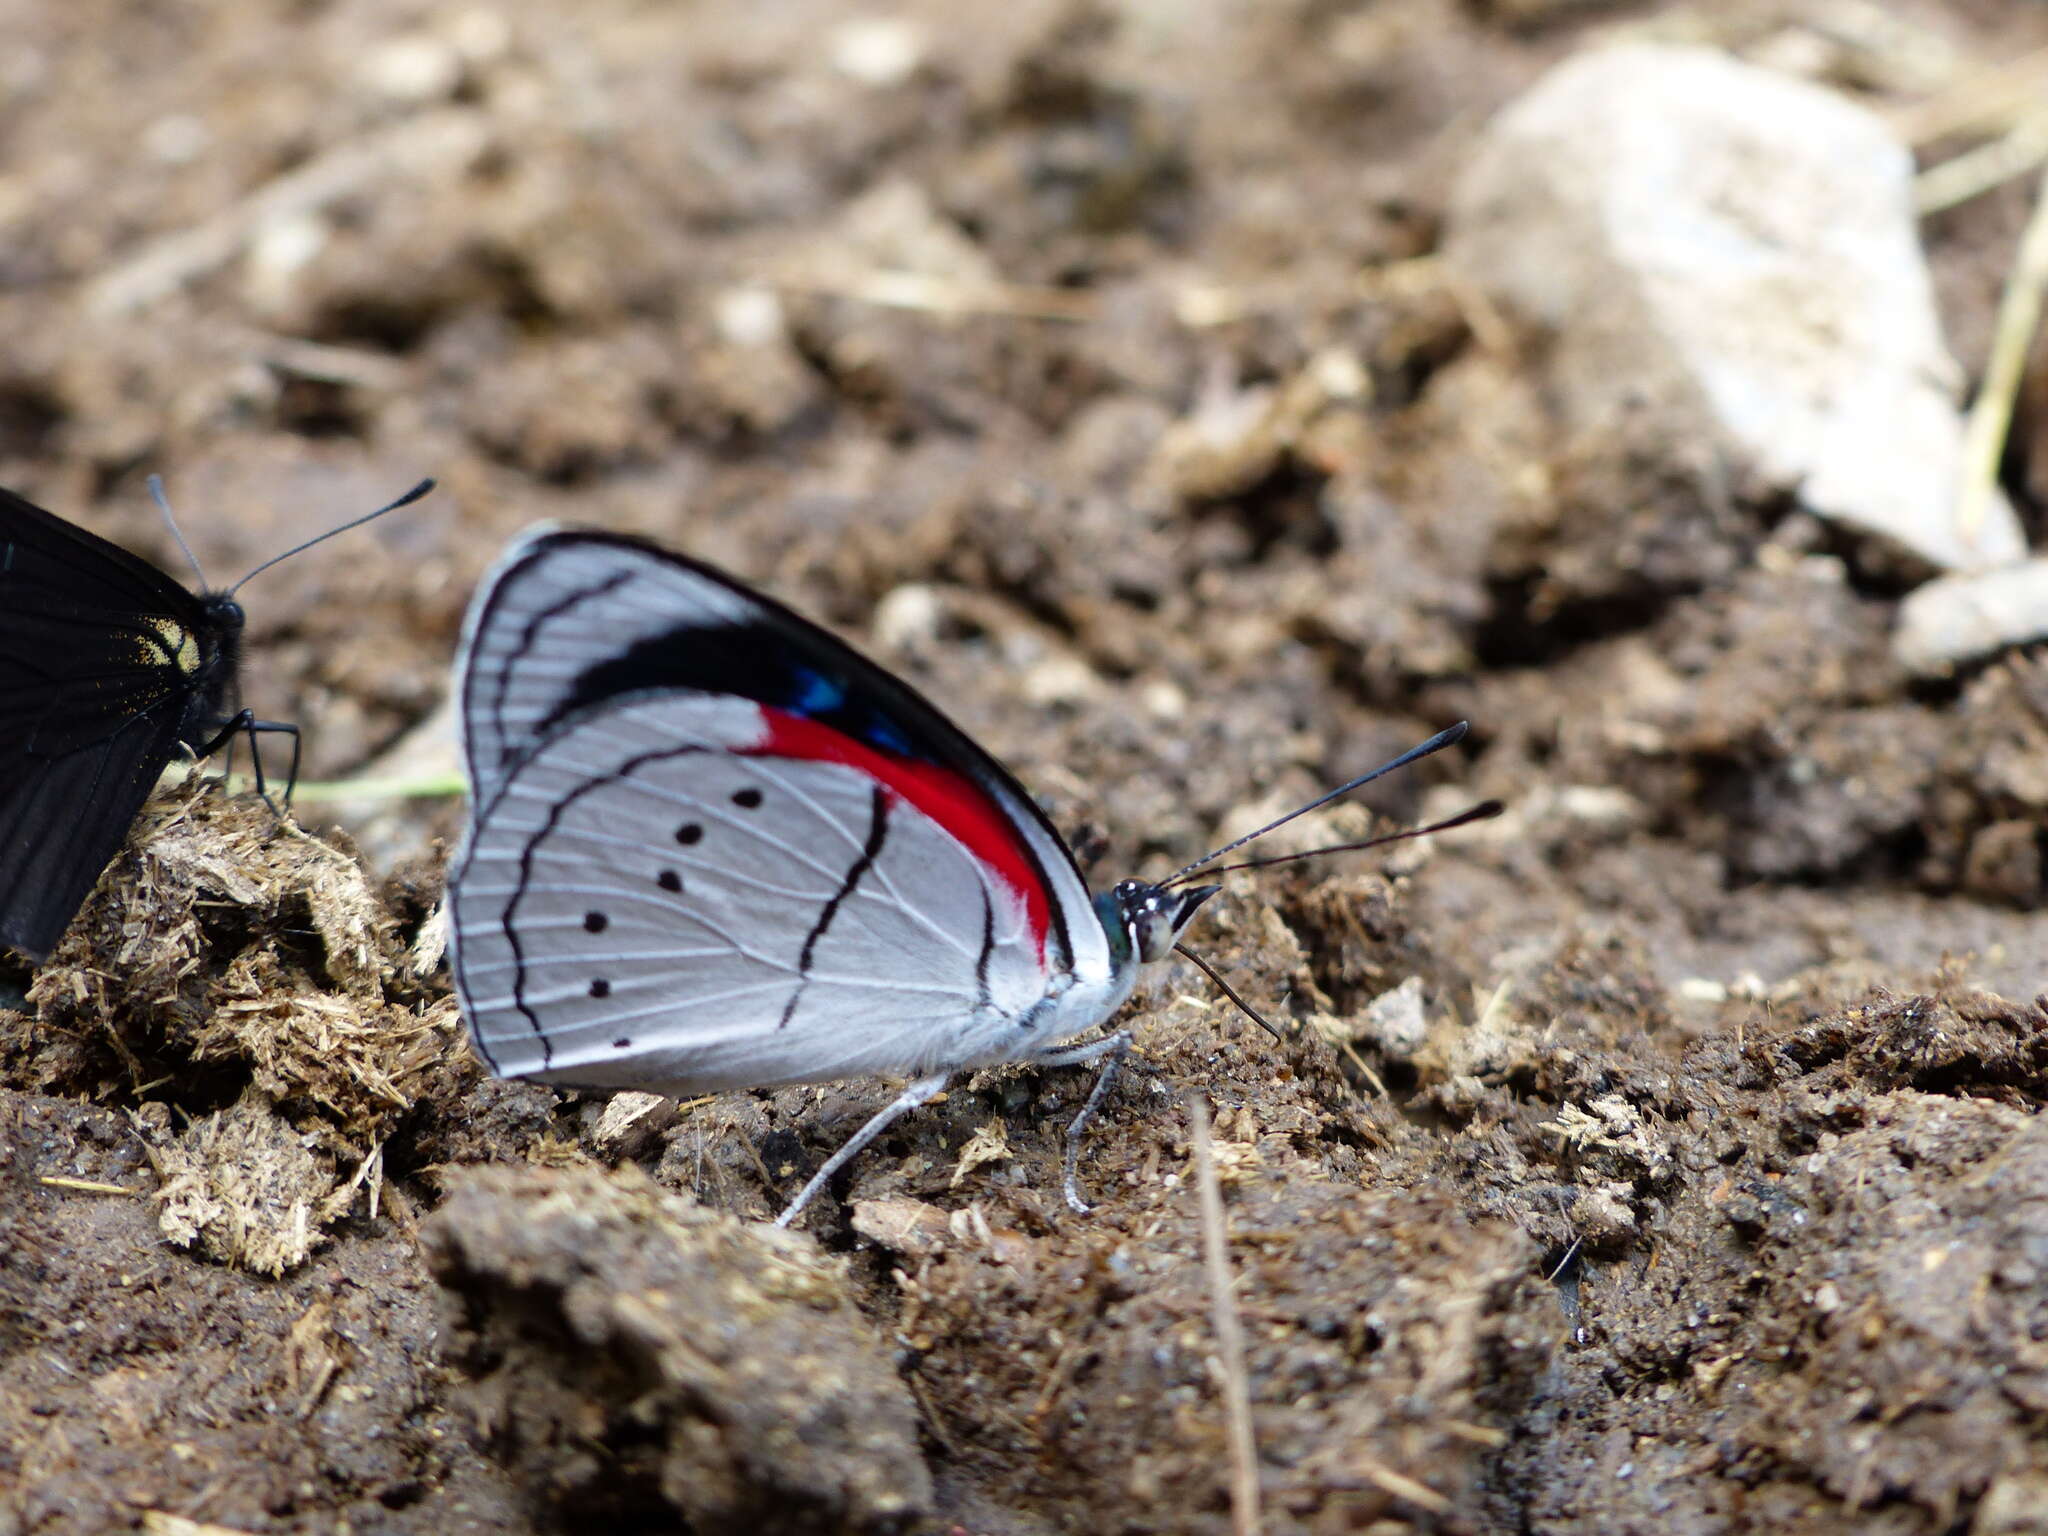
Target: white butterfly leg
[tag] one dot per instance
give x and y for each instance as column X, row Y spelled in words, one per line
column 918, row 1093
column 1115, row 1047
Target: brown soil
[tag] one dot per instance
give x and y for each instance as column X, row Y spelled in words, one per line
column 1662, row 1156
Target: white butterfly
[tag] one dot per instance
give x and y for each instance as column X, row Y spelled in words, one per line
column 712, row 847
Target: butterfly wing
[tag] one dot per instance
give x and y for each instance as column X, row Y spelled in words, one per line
column 713, row 846
column 570, row 620
column 104, row 664
column 64, row 819
column 650, row 903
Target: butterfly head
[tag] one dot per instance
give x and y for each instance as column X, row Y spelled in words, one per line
column 1149, row 918
column 223, row 614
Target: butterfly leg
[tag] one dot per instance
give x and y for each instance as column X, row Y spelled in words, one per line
column 252, row 729
column 919, row 1093
column 246, row 724
column 1115, row 1047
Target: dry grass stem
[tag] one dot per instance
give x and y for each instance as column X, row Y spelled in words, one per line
column 1985, row 101
column 430, row 147
column 2019, row 316
column 83, row 1186
column 1237, row 1404
column 1402, row 1487
column 1980, row 170
column 157, row 1522
column 944, row 296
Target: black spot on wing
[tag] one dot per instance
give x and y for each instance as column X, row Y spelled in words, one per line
column 509, row 922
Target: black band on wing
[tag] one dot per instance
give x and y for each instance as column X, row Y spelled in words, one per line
column 786, row 662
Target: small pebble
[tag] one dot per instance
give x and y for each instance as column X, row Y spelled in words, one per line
column 877, row 51
column 413, row 68
column 1961, row 618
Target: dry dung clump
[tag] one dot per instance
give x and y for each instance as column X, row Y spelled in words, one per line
column 229, row 959
column 640, row 1353
column 242, row 1187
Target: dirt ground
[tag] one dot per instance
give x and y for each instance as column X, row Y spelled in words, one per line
column 1663, row 1156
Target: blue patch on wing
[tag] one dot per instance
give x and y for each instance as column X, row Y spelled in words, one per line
column 883, row 733
column 779, row 665
column 816, row 696
column 815, row 693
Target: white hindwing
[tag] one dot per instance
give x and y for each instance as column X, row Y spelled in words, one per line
column 642, row 905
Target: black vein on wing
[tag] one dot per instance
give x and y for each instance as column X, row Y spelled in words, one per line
column 878, row 834
column 795, row 789
column 526, row 859
column 982, row 998
column 529, row 635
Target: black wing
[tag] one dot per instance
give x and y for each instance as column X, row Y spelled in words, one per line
column 105, row 662
column 62, row 820
column 64, row 560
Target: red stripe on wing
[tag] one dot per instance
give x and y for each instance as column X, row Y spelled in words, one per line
column 956, row 804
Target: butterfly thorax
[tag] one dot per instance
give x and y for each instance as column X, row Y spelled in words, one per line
column 208, row 654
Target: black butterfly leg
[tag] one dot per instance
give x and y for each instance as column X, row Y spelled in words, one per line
column 246, row 724
column 1115, row 1047
column 921, row 1092
column 275, row 728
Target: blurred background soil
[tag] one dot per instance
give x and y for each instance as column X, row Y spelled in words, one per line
column 1662, row 1156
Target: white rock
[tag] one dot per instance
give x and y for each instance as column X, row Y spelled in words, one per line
column 1735, row 253
column 178, row 139
column 908, row 615
column 412, row 68
column 877, row 51
column 280, row 251
column 1394, row 1021
column 1959, row 618
column 748, row 316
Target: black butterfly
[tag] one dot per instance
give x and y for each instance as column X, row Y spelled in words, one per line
column 107, row 668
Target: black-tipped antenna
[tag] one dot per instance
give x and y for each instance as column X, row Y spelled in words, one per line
column 1228, row 991
column 1436, row 743
column 163, row 505
column 406, row 500
column 1484, row 811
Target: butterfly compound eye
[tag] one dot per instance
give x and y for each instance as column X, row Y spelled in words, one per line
column 1148, row 918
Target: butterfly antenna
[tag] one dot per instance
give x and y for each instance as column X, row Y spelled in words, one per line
column 163, row 505
column 1230, row 992
column 1436, row 743
column 406, row 500
column 1486, row 810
